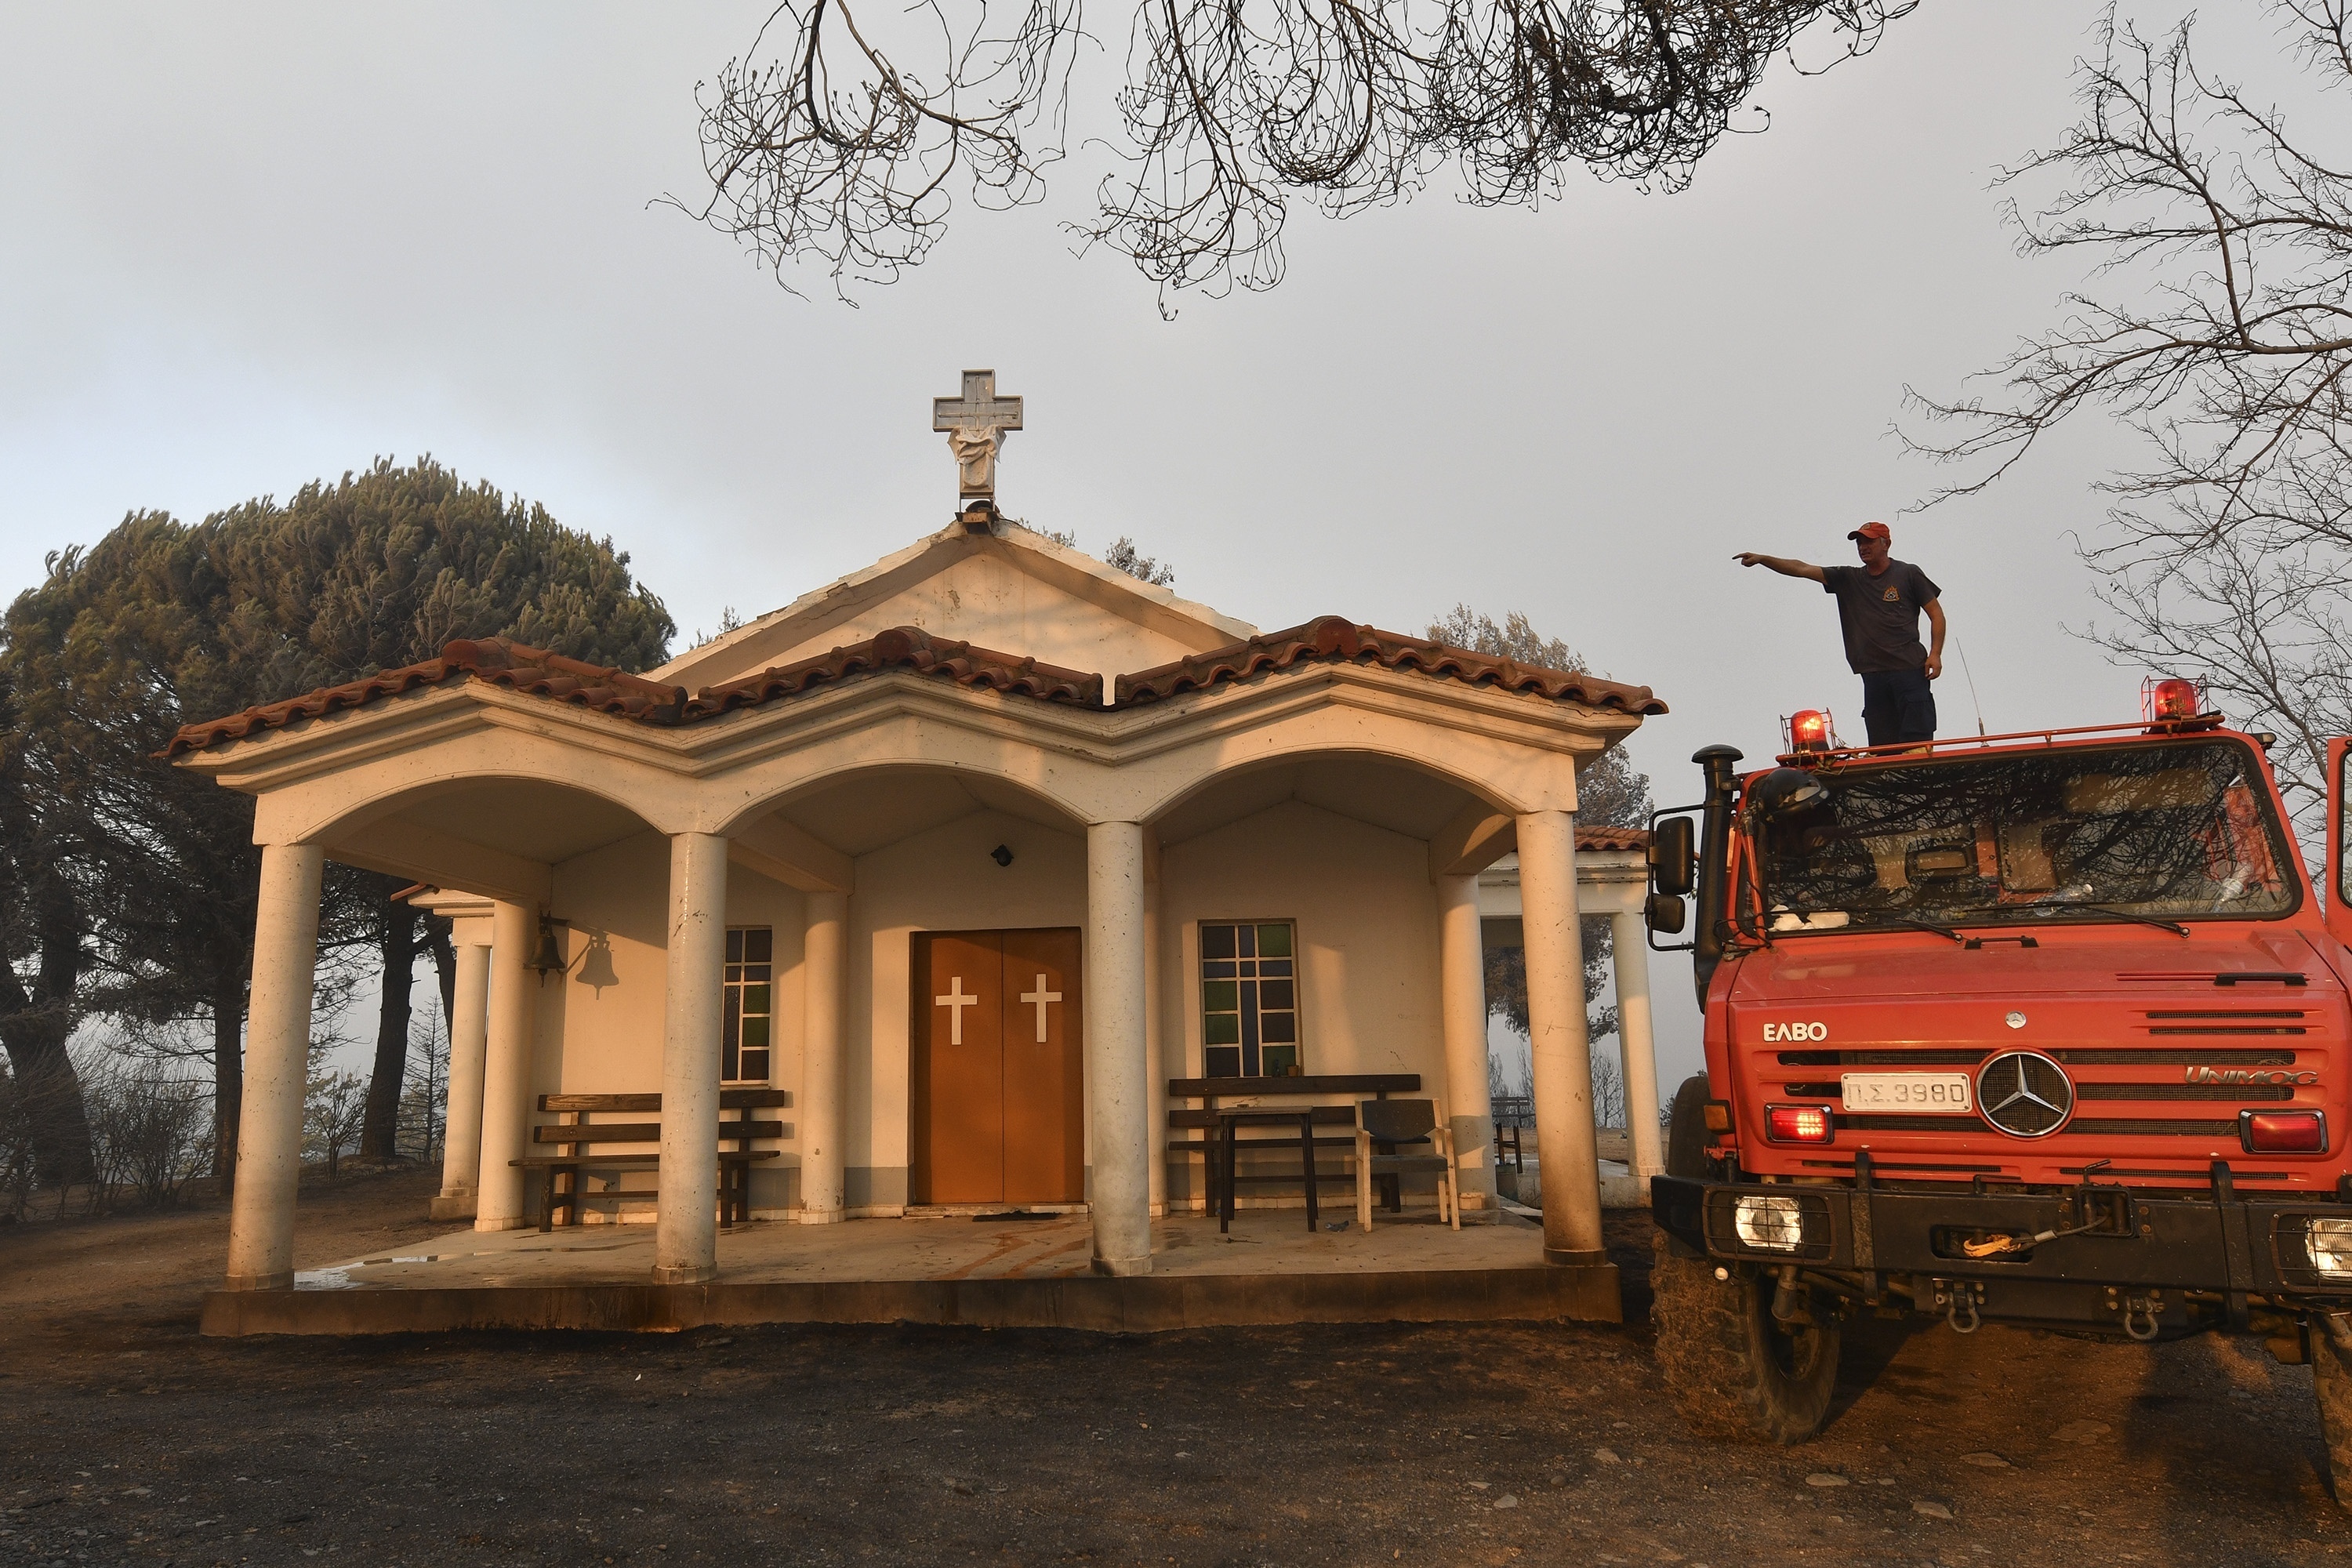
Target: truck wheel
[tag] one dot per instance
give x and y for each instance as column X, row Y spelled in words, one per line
column 1733, row 1370
column 2331, row 1377
column 1687, row 1131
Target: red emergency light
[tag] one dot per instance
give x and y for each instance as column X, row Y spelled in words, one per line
column 2169, row 700
column 2283, row 1132
column 1798, row 1123
column 1808, row 729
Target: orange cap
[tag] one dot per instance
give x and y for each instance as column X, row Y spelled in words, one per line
column 1873, row 531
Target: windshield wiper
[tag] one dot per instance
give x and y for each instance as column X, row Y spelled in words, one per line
column 2123, row 914
column 1917, row 925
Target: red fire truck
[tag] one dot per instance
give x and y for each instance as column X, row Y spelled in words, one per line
column 2044, row 1029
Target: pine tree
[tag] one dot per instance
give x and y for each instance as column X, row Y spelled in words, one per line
column 160, row 623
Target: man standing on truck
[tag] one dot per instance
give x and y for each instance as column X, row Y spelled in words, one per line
column 1879, row 603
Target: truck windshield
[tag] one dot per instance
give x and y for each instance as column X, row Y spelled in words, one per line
column 2167, row 831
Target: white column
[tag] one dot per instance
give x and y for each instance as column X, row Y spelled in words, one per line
column 508, row 1045
column 276, row 1069
column 1630, row 942
column 685, row 1238
column 1155, row 1063
column 1461, row 1001
column 822, row 1117
column 1119, row 1196
column 1562, row 1049
column 470, row 1041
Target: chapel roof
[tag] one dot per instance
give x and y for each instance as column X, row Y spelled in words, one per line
column 556, row 678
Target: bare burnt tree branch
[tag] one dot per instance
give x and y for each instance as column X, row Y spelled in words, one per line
column 823, row 148
column 826, row 150
column 2218, row 324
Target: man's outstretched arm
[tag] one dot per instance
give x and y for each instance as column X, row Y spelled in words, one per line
column 1936, row 650
column 1780, row 563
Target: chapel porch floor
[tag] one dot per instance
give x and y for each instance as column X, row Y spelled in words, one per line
column 992, row 1274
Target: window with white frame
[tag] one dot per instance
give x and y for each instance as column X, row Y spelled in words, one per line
column 1249, row 999
column 749, row 1007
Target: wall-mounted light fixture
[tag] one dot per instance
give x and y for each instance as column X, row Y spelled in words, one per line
column 1002, row 855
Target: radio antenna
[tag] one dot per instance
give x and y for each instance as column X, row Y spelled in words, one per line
column 1971, row 678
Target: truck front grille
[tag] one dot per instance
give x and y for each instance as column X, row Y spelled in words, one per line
column 2236, row 1035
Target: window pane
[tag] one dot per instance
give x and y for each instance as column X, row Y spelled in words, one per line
column 755, row 1034
column 755, row 1001
column 759, row 946
column 729, row 1064
column 735, row 947
column 729, row 1029
column 1224, row 1061
column 754, row 1068
column 1249, row 997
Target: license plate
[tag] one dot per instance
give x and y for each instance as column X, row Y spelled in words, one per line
column 1928, row 1091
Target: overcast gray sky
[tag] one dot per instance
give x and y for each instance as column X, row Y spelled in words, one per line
column 245, row 246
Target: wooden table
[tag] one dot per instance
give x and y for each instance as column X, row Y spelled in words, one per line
column 1227, row 1121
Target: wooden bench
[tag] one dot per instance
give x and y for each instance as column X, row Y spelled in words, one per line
column 1266, row 1090
column 582, row 1146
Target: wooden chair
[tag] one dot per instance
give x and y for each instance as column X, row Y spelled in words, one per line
column 1397, row 1124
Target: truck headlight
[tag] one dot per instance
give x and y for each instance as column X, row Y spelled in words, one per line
column 2328, row 1243
column 1777, row 1225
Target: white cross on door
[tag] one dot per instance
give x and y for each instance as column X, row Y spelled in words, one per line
column 1041, row 996
column 956, row 1002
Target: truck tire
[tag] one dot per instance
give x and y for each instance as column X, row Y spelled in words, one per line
column 1687, row 1131
column 2331, row 1378
column 1732, row 1370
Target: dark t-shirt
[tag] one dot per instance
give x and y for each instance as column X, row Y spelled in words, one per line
column 1880, row 616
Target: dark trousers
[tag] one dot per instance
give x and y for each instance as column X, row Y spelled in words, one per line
column 1898, row 706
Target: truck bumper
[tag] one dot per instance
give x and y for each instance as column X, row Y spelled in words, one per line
column 2141, row 1247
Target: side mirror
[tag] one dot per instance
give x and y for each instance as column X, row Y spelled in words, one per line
column 1673, row 862
column 1664, row 912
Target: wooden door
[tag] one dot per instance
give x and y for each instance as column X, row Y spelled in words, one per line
column 997, row 1092
column 1044, row 1114
column 959, row 1072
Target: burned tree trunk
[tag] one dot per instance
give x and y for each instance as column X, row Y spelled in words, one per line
column 379, row 1126
column 34, row 1027
column 229, row 1073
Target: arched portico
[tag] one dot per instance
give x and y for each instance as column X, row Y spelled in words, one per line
column 1348, row 782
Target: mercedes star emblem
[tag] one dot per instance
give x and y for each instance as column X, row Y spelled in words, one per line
column 2025, row 1094
column 2015, row 1020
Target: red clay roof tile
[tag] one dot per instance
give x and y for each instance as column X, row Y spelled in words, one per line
column 903, row 648
column 1612, row 838
column 1331, row 637
column 493, row 659
column 610, row 690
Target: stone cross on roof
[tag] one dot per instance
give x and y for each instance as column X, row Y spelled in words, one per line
column 976, row 425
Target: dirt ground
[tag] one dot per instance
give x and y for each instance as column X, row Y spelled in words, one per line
column 124, row 1437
